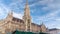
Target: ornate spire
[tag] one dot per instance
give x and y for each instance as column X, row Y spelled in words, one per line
column 27, row 11
column 27, row 17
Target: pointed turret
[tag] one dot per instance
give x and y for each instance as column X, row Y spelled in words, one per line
column 10, row 13
column 43, row 28
column 9, row 16
column 27, row 17
column 42, row 23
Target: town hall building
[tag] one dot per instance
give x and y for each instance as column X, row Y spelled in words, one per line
column 10, row 23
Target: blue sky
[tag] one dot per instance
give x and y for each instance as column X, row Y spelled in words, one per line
column 46, row 11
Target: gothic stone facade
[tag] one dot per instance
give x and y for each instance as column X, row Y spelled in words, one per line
column 10, row 23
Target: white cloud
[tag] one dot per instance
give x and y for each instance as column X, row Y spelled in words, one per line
column 51, row 20
column 18, row 15
column 45, row 8
column 16, row 3
column 3, row 11
column 45, row 2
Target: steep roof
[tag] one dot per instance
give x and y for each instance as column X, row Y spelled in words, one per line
column 20, row 20
column 53, row 29
column 17, row 20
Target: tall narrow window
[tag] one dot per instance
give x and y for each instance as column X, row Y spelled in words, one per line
column 28, row 24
